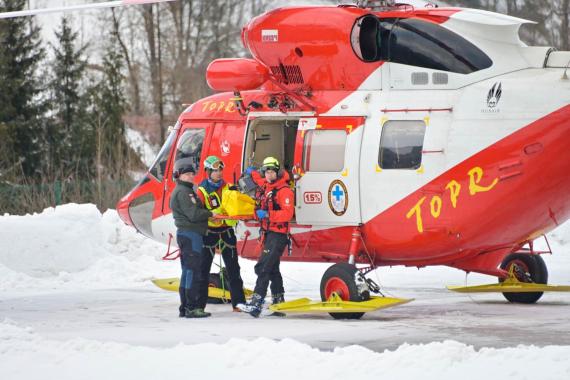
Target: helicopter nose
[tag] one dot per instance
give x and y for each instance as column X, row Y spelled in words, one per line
column 123, row 211
column 137, row 207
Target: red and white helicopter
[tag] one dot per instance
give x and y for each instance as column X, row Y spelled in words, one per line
column 416, row 137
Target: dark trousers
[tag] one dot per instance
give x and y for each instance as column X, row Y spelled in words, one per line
column 191, row 257
column 225, row 239
column 267, row 267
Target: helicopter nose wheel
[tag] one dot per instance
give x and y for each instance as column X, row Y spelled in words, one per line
column 346, row 281
column 526, row 268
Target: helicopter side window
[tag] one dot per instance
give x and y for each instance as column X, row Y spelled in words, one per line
column 158, row 168
column 190, row 145
column 323, row 150
column 401, row 144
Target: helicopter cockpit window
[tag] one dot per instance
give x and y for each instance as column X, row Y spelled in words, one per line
column 417, row 43
column 190, row 145
column 158, row 168
column 323, row 150
column 401, row 144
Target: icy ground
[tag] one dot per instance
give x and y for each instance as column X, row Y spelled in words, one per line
column 76, row 303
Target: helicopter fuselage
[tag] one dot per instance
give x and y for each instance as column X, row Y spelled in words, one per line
column 426, row 137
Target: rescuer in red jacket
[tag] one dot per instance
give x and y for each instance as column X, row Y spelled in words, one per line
column 275, row 211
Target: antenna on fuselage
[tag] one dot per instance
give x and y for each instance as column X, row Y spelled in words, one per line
column 565, row 75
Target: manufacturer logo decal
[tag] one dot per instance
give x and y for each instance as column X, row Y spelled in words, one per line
column 493, row 98
column 269, row 35
column 225, row 148
column 313, row 197
column 494, row 95
column 338, row 197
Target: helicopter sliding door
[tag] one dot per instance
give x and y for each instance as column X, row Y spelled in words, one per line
column 327, row 164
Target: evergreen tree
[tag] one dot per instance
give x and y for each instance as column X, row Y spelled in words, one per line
column 21, row 103
column 109, row 106
column 71, row 139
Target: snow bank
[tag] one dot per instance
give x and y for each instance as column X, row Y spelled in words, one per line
column 76, row 245
column 264, row 358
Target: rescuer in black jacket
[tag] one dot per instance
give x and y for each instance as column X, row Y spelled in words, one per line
column 191, row 220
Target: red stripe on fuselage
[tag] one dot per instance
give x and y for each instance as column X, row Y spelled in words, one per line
column 521, row 193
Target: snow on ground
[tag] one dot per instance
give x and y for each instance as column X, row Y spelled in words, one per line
column 76, row 302
column 261, row 358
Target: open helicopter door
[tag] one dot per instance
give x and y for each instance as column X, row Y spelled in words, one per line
column 327, row 167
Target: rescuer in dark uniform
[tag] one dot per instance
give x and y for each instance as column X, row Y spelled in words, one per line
column 191, row 220
column 275, row 211
column 220, row 234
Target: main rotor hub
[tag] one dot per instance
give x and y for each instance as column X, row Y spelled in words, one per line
column 386, row 5
column 376, row 5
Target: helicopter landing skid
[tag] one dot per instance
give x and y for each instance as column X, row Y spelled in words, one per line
column 172, row 284
column 511, row 284
column 335, row 304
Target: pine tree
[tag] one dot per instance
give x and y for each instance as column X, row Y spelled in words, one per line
column 21, row 104
column 70, row 139
column 109, row 107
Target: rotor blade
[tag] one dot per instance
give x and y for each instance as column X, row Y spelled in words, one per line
column 71, row 8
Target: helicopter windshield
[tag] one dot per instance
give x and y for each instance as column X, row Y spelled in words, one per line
column 190, row 145
column 158, row 168
column 417, row 43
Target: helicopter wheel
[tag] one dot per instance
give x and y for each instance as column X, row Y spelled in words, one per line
column 528, row 268
column 340, row 279
column 215, row 281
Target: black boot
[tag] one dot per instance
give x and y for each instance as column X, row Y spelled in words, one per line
column 191, row 308
column 277, row 298
column 255, row 306
column 181, row 312
column 196, row 313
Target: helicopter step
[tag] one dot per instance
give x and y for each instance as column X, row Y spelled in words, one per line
column 337, row 306
column 214, row 292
